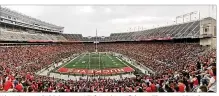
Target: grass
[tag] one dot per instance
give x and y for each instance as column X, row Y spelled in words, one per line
column 96, row 61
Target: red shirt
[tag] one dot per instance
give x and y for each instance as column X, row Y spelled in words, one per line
column 33, row 86
column 7, row 85
column 7, row 70
column 11, row 77
column 153, row 87
column 28, row 76
column 67, row 90
column 148, row 89
column 49, row 89
column 19, row 88
column 195, row 82
column 181, row 87
column 31, row 77
column 122, row 89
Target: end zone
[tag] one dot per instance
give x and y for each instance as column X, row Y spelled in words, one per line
column 106, row 71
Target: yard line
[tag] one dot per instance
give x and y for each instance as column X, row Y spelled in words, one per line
column 110, row 58
column 89, row 61
column 99, row 59
column 103, row 63
column 80, row 59
column 86, row 64
column 70, row 61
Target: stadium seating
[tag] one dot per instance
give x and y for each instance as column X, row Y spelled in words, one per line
column 184, row 30
column 165, row 59
column 8, row 35
column 73, row 37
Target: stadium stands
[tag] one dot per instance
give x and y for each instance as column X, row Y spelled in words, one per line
column 8, row 35
column 185, row 30
column 73, row 37
column 165, row 59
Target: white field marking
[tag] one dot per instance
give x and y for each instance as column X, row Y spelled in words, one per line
column 124, row 63
column 73, row 65
column 79, row 60
column 99, row 60
column 62, row 65
column 104, row 61
column 112, row 60
column 89, row 61
column 71, row 60
column 83, row 62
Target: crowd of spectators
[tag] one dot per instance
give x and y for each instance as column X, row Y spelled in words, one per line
column 158, row 56
column 179, row 67
column 24, row 61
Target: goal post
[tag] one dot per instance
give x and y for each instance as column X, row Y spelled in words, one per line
column 96, row 48
column 99, row 60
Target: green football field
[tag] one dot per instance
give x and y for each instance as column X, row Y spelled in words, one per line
column 96, row 61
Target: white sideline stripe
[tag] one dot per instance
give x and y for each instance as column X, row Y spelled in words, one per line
column 72, row 60
column 113, row 60
column 110, row 58
column 44, row 72
column 124, row 63
column 88, row 61
column 99, row 60
column 78, row 60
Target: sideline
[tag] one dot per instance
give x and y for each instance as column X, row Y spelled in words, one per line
column 44, row 71
column 120, row 61
column 143, row 70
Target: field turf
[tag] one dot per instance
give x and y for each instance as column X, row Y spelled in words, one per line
column 99, row 63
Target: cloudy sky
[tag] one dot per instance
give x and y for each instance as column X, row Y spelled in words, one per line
column 111, row 19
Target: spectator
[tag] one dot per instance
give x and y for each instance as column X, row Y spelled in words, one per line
column 212, row 84
column 202, row 89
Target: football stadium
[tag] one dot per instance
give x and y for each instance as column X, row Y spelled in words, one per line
column 37, row 56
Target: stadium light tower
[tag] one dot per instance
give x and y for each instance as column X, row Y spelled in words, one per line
column 130, row 29
column 192, row 13
column 185, row 15
column 139, row 28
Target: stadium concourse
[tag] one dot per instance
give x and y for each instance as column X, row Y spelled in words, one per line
column 177, row 58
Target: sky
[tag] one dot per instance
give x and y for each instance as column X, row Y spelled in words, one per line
column 112, row 18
